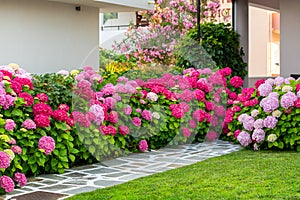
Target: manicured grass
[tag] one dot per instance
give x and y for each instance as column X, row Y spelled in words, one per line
column 240, row 175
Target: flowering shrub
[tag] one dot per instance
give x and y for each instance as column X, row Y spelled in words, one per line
column 172, row 109
column 156, row 42
column 219, row 44
column 10, row 179
column 27, row 117
column 266, row 116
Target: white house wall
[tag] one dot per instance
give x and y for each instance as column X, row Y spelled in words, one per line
column 45, row 36
column 289, row 32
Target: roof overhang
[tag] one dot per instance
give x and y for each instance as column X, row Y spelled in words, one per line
column 113, row 5
column 267, row 4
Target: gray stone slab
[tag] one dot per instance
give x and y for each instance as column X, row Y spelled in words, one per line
column 52, row 177
column 84, row 167
column 107, row 183
column 170, row 160
column 36, row 185
column 132, row 176
column 101, row 170
column 116, row 174
column 75, row 175
column 81, row 190
column 138, row 156
column 57, row 187
column 50, row 182
column 75, row 182
column 116, row 162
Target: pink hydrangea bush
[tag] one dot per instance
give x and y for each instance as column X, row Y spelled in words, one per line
column 27, row 116
column 133, row 109
column 267, row 115
column 8, row 179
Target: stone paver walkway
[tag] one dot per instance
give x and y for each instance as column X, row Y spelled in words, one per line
column 112, row 172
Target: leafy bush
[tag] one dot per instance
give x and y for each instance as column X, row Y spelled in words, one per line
column 58, row 87
column 148, row 114
column 220, row 42
column 267, row 116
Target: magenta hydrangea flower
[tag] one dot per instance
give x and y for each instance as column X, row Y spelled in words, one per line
column 236, row 81
column 265, row 89
column 147, row 115
column 42, row 121
column 187, row 95
column 29, row 124
column 7, row 183
column 258, row 135
column 136, row 121
column 108, row 89
column 47, row 144
column 143, row 145
column 244, row 138
column 127, row 110
column 199, row 115
column 4, row 160
column 60, row 115
column 270, row 122
column 138, row 110
column 113, row 117
column 64, row 107
column 10, row 101
column 177, row 111
column 106, row 130
column 42, row 97
column 109, row 102
column 236, row 133
column 10, row 125
column 27, row 98
column 20, row 178
column 16, row 149
column 287, row 100
column 193, row 123
column 212, row 135
column 224, row 72
column 123, row 130
column 186, row 132
column 42, row 108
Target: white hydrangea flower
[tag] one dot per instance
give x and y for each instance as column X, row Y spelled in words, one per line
column 254, row 113
column 286, row 88
column 242, row 117
column 276, row 113
column 151, row 96
column 156, row 115
column 271, row 138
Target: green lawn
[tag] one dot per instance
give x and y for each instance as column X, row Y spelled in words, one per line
column 240, row 175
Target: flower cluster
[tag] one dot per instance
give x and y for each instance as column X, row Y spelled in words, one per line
column 46, row 144
column 166, row 24
column 265, row 123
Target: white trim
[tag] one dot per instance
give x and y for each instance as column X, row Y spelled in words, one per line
column 264, row 7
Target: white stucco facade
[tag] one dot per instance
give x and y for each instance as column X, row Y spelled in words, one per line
column 44, row 36
column 49, row 35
